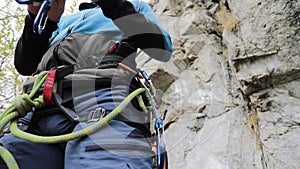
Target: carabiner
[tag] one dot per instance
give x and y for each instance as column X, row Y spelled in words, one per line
column 161, row 154
column 25, row 1
column 148, row 81
column 162, row 158
column 42, row 15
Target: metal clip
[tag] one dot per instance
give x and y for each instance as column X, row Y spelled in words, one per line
column 161, row 154
column 150, row 92
column 96, row 115
column 42, row 15
column 148, row 83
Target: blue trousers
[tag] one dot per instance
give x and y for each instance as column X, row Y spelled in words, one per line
column 29, row 155
column 115, row 146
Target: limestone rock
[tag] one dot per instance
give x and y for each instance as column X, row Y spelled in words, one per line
column 231, row 89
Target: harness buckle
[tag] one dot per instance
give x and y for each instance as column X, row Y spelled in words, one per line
column 96, row 115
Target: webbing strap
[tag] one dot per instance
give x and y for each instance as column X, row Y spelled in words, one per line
column 51, row 78
column 48, row 86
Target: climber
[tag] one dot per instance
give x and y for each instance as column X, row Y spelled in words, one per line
column 99, row 44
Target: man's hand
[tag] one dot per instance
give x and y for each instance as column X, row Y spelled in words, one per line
column 56, row 11
column 115, row 9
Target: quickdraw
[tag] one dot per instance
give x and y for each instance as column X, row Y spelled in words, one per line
column 42, row 16
column 161, row 154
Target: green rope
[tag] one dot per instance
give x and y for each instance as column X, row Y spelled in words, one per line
column 25, row 99
column 5, row 120
column 21, row 105
column 7, row 111
column 24, row 103
column 39, row 81
column 141, row 103
column 84, row 132
column 8, row 158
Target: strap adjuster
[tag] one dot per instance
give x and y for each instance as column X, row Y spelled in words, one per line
column 96, row 115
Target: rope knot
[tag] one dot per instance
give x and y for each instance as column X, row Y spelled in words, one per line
column 23, row 104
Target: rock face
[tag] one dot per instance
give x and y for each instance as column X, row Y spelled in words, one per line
column 232, row 88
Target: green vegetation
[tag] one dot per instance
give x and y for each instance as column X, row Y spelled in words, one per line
column 11, row 24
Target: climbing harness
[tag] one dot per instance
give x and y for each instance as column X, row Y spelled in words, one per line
column 46, row 79
column 42, row 15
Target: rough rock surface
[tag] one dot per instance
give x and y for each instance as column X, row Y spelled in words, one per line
column 232, row 88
